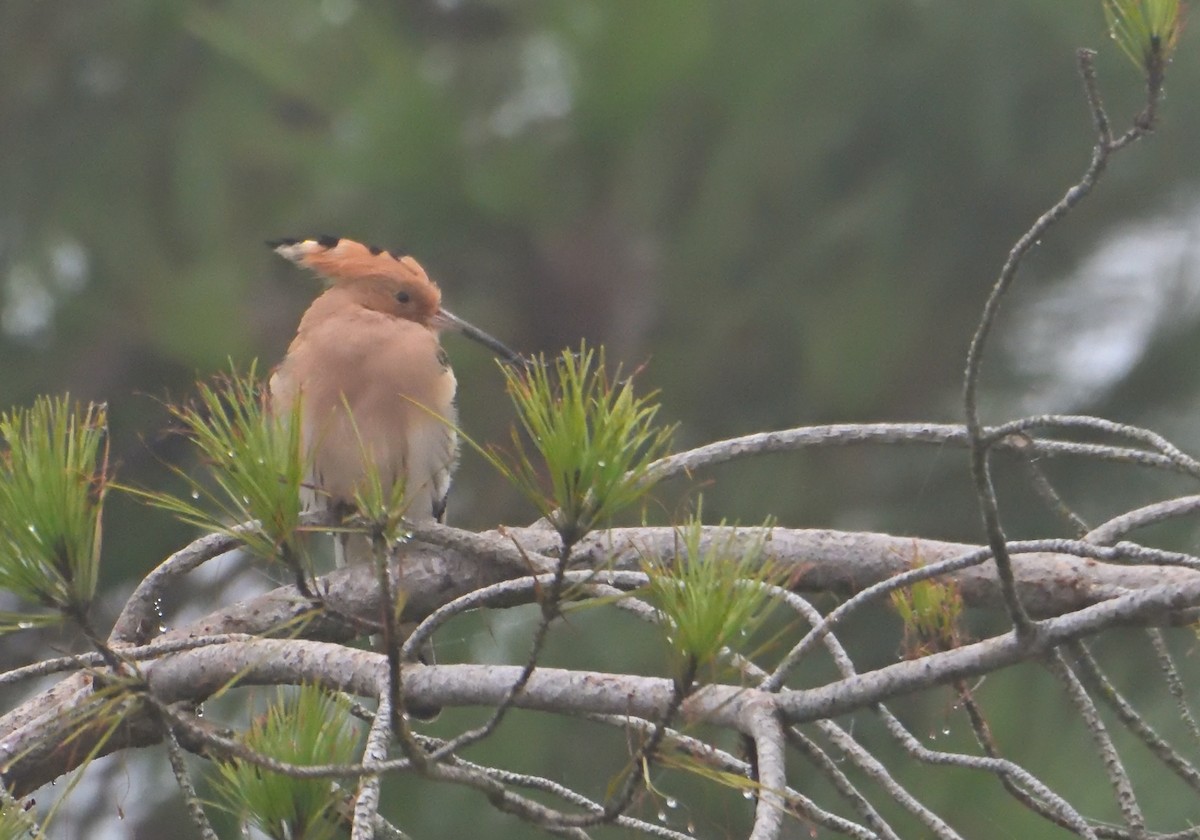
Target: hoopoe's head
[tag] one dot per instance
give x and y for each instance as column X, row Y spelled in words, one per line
column 384, row 281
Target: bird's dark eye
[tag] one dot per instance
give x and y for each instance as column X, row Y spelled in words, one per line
column 402, row 297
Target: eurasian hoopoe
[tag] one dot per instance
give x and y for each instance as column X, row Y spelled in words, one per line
column 373, row 381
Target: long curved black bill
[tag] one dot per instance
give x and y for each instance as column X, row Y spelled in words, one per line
column 450, row 321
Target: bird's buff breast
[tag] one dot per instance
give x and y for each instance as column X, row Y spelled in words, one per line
column 392, row 405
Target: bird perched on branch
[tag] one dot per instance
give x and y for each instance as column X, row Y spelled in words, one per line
column 374, row 383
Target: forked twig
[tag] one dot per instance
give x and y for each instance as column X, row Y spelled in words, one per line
column 980, row 465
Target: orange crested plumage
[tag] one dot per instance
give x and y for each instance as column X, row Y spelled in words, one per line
column 341, row 260
column 372, row 278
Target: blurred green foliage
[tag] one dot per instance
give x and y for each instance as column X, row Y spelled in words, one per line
column 791, row 210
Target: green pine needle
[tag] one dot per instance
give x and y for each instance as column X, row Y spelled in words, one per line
column 255, row 464
column 305, row 726
column 11, row 621
column 932, row 613
column 16, row 823
column 590, row 440
column 1146, row 30
column 53, row 481
column 713, row 594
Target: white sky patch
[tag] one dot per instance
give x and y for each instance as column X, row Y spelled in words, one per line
column 31, row 291
column 338, row 12
column 133, row 780
column 349, row 130
column 437, row 65
column 101, row 75
column 1081, row 335
column 28, row 304
column 544, row 91
column 68, row 265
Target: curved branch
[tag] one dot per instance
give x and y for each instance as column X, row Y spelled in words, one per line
column 1118, row 776
column 1000, row 439
column 820, row 561
column 761, row 723
column 1149, row 606
column 1117, row 527
column 1067, row 814
column 865, row 761
column 366, row 801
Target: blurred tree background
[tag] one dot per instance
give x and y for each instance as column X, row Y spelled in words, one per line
column 790, row 211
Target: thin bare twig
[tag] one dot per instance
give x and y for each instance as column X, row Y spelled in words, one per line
column 1057, row 815
column 1117, row 775
column 83, row 661
column 980, row 464
column 710, row 756
column 877, row 826
column 501, row 797
column 1155, row 442
column 553, row 788
column 1000, row 439
column 550, row 603
column 920, row 573
column 508, row 593
column 1052, row 498
column 1117, row 527
column 875, row 769
column 1005, row 769
column 183, row 778
column 1100, row 684
column 139, row 620
column 218, row 745
column 1166, row 664
column 645, row 754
